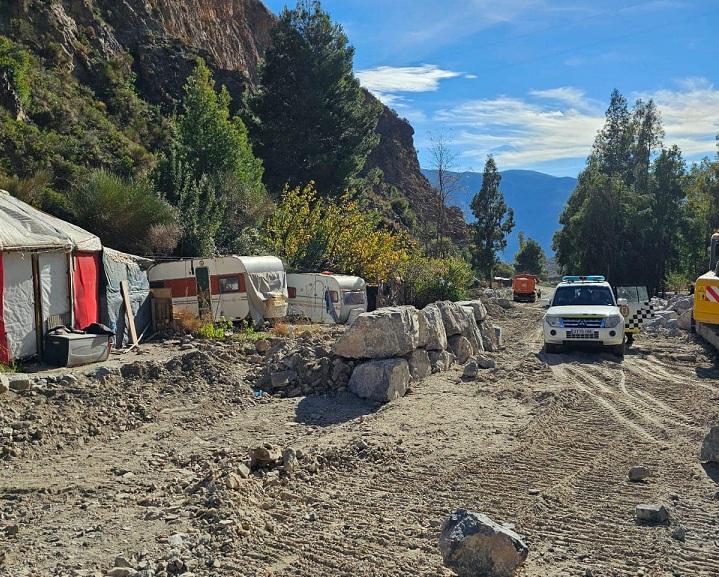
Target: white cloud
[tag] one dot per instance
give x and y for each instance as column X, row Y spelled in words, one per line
column 388, row 83
column 565, row 94
column 561, row 123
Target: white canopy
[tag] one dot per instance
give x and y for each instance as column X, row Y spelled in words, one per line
column 23, row 227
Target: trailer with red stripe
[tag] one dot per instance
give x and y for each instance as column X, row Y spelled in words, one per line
column 229, row 287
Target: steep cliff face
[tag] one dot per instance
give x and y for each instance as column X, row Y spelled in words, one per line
column 397, row 158
column 159, row 40
column 162, row 37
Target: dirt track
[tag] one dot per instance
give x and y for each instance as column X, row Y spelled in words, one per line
column 543, row 442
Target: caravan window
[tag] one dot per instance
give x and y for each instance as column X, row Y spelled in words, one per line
column 229, row 284
column 354, row 297
column 334, row 297
column 291, row 292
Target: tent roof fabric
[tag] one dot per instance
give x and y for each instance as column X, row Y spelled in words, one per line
column 23, row 227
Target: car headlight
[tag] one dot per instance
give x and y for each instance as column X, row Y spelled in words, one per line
column 613, row 321
column 553, row 321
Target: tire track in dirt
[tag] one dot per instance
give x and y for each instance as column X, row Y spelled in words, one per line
column 653, row 408
column 622, row 412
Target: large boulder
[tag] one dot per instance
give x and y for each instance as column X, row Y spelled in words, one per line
column 480, row 311
column 473, row 545
column 489, row 336
column 419, row 365
column 384, row 333
column 461, row 347
column 685, row 320
column 436, row 338
column 441, row 361
column 710, row 446
column 454, row 317
column 382, row 381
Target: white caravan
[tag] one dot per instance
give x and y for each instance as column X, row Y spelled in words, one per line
column 228, row 287
column 326, row 297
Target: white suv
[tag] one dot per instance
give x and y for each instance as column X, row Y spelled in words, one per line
column 584, row 310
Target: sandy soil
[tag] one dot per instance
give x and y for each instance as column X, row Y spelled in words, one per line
column 542, row 442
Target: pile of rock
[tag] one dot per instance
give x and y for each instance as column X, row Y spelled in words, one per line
column 670, row 315
column 300, row 366
column 393, row 346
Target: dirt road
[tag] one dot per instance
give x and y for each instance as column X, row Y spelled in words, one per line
column 543, row 443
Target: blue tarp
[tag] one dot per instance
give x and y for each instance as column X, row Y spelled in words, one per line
column 117, row 267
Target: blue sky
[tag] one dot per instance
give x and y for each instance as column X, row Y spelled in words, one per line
column 529, row 80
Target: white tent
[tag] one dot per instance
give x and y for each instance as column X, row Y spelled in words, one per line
column 36, row 274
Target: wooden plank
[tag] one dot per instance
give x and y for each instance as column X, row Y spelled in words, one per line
column 125, row 291
column 37, row 295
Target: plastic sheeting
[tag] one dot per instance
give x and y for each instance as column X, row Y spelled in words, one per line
column 262, row 287
column 117, row 268
column 86, row 289
column 19, row 305
column 54, row 286
column 23, row 227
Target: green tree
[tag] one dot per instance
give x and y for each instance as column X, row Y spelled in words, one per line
column 210, row 172
column 493, row 221
column 530, row 258
column 634, row 202
column 312, row 120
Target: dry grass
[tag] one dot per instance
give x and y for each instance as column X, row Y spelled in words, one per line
column 187, row 322
column 281, row 329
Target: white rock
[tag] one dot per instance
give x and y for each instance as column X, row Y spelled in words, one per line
column 381, row 380
column 436, row 335
column 419, row 364
column 685, row 320
column 461, row 347
column 651, row 514
column 384, row 333
column 4, row 384
column 441, row 360
column 477, row 306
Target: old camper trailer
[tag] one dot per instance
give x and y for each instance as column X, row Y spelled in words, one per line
column 230, row 287
column 326, row 297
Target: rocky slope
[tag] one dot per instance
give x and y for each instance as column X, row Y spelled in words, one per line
column 159, row 41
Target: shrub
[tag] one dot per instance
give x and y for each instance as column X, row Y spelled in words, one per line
column 121, row 212
column 427, row 280
column 313, row 233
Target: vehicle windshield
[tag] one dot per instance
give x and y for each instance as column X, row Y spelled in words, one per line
column 566, row 296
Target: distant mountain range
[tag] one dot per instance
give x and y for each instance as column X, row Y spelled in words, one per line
column 537, row 199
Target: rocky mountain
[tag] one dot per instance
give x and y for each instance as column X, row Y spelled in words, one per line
column 157, row 42
column 537, row 199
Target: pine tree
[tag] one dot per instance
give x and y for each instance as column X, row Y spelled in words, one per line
column 209, row 170
column 312, row 120
column 493, row 221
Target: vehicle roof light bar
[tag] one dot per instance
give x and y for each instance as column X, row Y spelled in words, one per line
column 590, row 278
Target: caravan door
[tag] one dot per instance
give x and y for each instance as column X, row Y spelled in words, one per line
column 204, row 298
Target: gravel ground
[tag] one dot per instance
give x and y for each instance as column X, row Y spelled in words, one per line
column 144, row 474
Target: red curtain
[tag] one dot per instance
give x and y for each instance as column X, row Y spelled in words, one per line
column 4, row 349
column 86, row 289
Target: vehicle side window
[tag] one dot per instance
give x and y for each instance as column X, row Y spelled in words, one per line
column 291, row 292
column 229, row 284
column 334, row 297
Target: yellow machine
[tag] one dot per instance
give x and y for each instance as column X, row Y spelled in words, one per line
column 706, row 298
